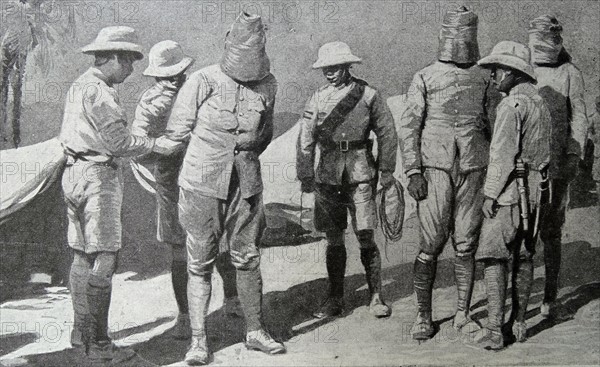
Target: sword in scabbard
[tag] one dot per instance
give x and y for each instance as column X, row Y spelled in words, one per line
column 521, row 172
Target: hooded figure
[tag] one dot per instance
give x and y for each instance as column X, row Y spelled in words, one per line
column 444, row 140
column 546, row 42
column 245, row 58
column 458, row 37
column 225, row 111
column 561, row 85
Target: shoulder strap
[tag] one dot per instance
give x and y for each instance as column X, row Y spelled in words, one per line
column 337, row 116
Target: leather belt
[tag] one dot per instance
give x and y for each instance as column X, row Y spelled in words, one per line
column 345, row 145
column 73, row 157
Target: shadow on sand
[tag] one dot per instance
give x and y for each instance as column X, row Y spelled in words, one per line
column 285, row 311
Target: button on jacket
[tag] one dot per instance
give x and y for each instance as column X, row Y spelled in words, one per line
column 563, row 90
column 446, row 118
column 95, row 125
column 522, row 112
column 228, row 125
column 370, row 114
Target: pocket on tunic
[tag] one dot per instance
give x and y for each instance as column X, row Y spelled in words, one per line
column 251, row 120
column 227, row 117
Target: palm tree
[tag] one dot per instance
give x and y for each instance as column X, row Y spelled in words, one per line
column 29, row 36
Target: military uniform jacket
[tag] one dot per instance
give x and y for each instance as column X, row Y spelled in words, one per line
column 370, row 114
column 446, row 118
column 563, row 90
column 153, row 110
column 95, row 125
column 151, row 117
column 521, row 130
column 228, row 126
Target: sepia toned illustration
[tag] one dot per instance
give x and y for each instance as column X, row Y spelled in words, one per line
column 375, row 183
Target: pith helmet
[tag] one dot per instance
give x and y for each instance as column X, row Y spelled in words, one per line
column 167, row 59
column 117, row 38
column 510, row 54
column 335, row 53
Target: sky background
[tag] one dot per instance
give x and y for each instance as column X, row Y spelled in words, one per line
column 394, row 38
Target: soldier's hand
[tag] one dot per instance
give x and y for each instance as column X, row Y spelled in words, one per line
column 417, row 187
column 307, row 185
column 489, row 208
column 386, row 179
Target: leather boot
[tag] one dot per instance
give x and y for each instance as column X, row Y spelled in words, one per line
column 424, row 276
column 464, row 270
column 522, row 282
column 490, row 337
column 335, row 259
column 249, row 284
column 552, row 259
column 371, row 260
column 261, row 341
column 78, row 279
column 100, row 348
column 199, row 293
column 179, row 280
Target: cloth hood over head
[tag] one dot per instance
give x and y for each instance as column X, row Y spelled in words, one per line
column 458, row 37
column 245, row 58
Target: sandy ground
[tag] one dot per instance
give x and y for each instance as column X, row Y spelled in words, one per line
column 35, row 331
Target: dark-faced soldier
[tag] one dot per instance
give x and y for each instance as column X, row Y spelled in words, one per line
column 444, row 143
column 94, row 135
column 226, row 112
column 514, row 189
column 337, row 121
column 561, row 85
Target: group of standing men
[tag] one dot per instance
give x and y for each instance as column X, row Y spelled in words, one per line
column 205, row 134
column 492, row 175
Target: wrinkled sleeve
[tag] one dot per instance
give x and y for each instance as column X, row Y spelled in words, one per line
column 387, row 139
column 266, row 134
column 109, row 119
column 578, row 119
column 183, row 115
column 503, row 150
column 305, row 148
column 411, row 125
column 147, row 113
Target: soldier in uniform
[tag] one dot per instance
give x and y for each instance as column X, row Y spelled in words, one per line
column 168, row 65
column 444, row 143
column 519, row 156
column 338, row 119
column 94, row 135
column 226, row 112
column 561, row 85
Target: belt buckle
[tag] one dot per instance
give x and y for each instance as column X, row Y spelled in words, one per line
column 343, row 145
